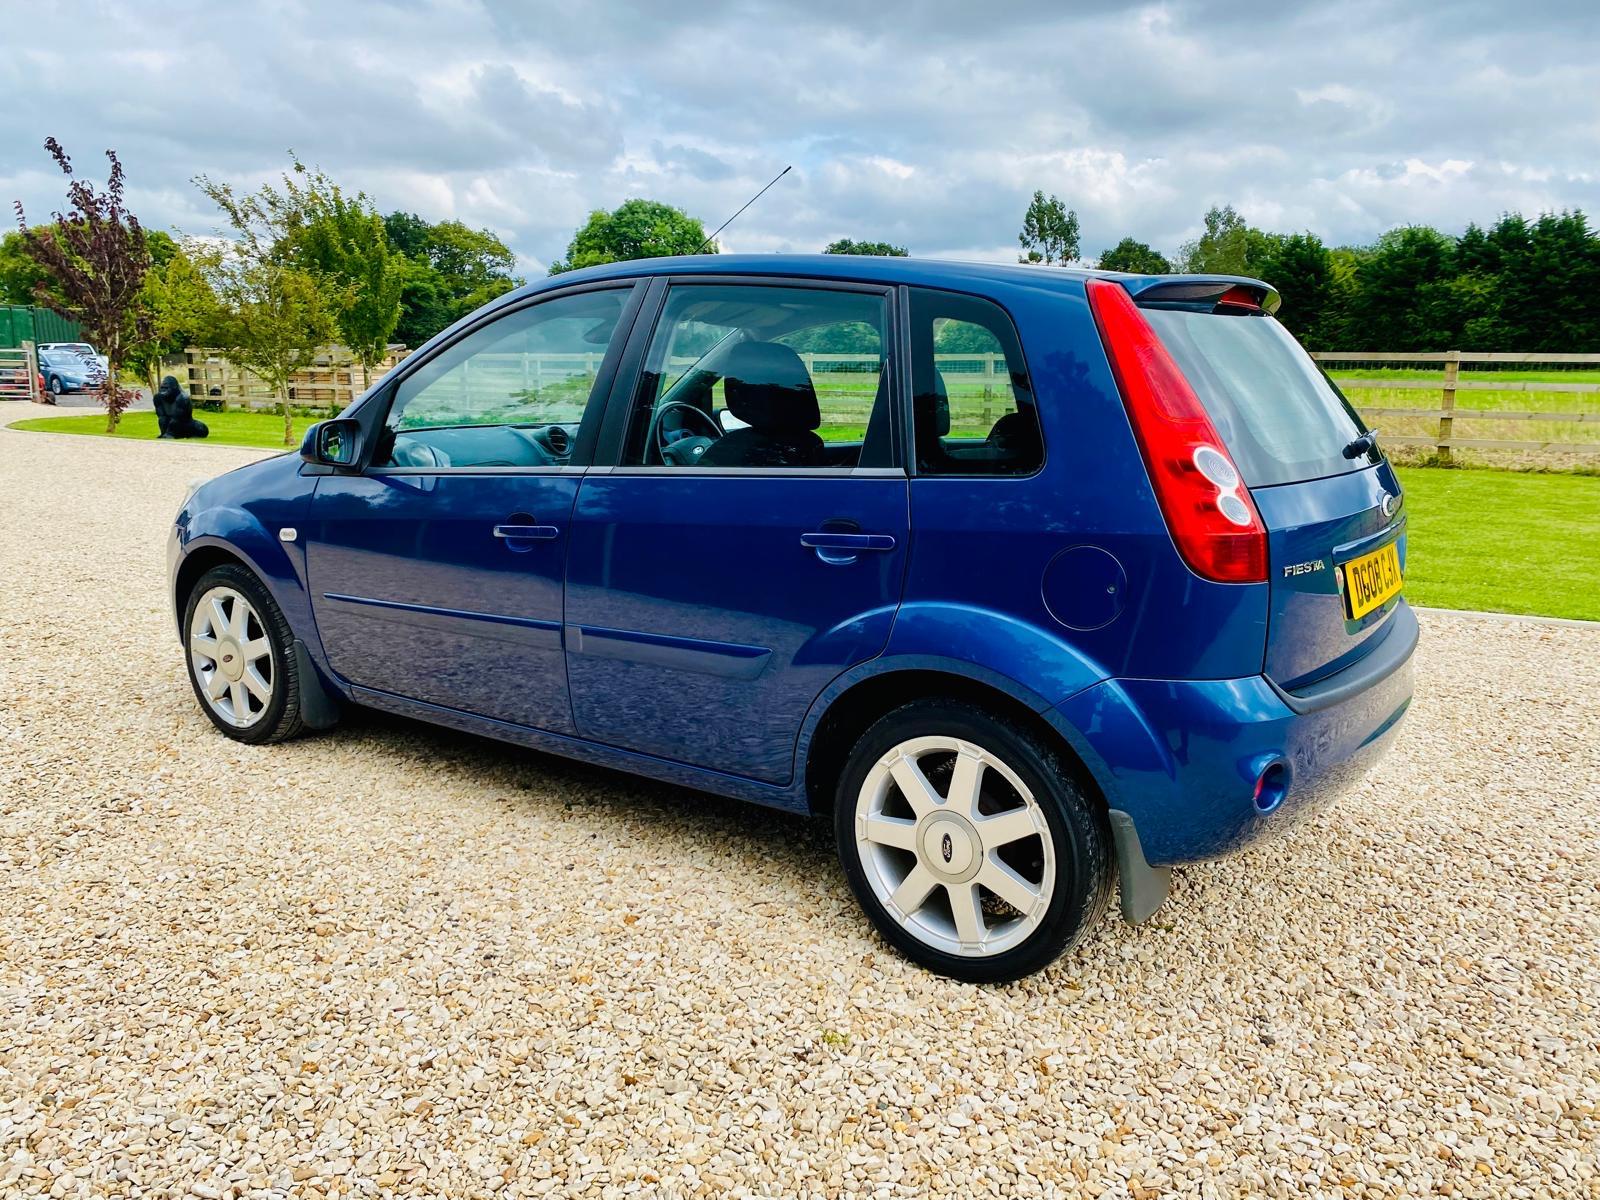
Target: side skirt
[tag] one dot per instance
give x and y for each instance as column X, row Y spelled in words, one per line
column 789, row 799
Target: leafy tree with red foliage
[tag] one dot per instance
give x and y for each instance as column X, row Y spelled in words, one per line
column 96, row 257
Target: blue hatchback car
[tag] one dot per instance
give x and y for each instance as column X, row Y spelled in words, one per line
column 1036, row 580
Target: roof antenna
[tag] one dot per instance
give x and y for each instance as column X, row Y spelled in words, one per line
column 747, row 204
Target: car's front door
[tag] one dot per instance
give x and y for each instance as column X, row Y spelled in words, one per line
column 436, row 572
column 749, row 544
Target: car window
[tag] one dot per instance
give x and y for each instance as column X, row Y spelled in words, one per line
column 509, row 394
column 1282, row 420
column 973, row 411
column 755, row 376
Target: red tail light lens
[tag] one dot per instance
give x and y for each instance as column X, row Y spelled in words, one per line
column 1212, row 519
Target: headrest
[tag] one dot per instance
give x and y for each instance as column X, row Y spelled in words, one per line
column 1017, row 433
column 767, row 387
column 933, row 409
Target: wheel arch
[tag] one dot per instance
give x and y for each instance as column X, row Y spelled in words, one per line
column 195, row 564
column 319, row 701
column 853, row 709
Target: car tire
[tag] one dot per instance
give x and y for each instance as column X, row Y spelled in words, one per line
column 225, row 648
column 996, row 804
column 55, row 386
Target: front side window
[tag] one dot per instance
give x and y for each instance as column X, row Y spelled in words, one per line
column 973, row 411
column 751, row 376
column 510, row 394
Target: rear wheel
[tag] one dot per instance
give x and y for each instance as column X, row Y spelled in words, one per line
column 968, row 842
column 55, row 386
column 241, row 657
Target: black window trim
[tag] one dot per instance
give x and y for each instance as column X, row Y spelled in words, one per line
column 624, row 393
column 373, row 411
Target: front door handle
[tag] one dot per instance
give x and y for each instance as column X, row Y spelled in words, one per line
column 526, row 533
column 852, row 542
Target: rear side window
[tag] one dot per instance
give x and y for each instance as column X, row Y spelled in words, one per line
column 973, row 410
column 1282, row 420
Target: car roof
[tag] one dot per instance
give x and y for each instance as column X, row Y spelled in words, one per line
column 860, row 268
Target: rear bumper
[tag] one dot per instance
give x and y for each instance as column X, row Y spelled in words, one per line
column 1181, row 758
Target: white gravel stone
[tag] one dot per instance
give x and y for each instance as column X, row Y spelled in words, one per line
column 395, row 961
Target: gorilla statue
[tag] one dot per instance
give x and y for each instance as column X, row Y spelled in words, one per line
column 174, row 414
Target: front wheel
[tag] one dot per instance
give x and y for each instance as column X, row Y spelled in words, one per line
column 969, row 843
column 55, row 386
column 240, row 653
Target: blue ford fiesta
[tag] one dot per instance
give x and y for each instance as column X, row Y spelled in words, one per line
column 1038, row 581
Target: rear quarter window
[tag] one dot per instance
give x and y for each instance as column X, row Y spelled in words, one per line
column 1282, row 420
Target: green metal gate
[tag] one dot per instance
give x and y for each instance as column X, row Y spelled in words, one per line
column 26, row 323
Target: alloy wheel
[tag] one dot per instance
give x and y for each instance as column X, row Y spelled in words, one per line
column 955, row 846
column 231, row 656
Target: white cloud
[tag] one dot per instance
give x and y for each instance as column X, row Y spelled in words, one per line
column 1343, row 119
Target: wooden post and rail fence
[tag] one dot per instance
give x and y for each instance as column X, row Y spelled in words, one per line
column 1448, row 387
column 331, row 382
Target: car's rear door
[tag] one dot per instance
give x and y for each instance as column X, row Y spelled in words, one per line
column 708, row 607
column 1330, row 503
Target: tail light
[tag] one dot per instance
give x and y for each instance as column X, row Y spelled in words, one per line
column 1212, row 519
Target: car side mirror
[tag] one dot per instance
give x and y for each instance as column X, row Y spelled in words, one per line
column 335, row 443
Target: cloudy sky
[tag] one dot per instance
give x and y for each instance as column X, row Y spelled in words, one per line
column 926, row 124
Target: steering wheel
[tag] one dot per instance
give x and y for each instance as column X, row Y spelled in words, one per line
column 683, row 451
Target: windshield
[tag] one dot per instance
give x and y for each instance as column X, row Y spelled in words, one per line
column 1281, row 418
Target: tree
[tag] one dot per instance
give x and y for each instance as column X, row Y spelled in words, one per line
column 448, row 270
column 182, row 312
column 635, row 229
column 1301, row 269
column 1228, row 246
column 163, row 248
column 426, row 304
column 95, row 258
column 1404, row 301
column 272, row 312
column 880, row 249
column 408, row 233
column 23, row 278
column 1049, row 232
column 344, row 241
column 1135, row 258
column 1341, row 310
column 476, row 257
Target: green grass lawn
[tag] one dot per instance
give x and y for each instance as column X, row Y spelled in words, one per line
column 1503, row 541
column 262, row 430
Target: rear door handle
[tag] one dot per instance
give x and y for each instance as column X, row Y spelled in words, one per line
column 852, row 542
column 527, row 533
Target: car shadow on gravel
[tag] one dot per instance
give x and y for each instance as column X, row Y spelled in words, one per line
column 795, row 853
column 543, row 781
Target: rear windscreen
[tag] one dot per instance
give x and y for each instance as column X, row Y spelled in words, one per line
column 1281, row 419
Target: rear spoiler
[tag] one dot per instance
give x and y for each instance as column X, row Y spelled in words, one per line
column 1231, row 291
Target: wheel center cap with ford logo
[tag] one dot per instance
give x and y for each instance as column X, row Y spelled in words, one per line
column 950, row 847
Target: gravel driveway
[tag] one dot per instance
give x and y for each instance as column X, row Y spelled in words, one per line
column 402, row 961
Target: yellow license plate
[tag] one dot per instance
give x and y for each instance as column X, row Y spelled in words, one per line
column 1371, row 580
